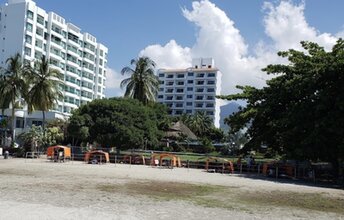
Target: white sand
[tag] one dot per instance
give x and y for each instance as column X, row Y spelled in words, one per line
column 36, row 189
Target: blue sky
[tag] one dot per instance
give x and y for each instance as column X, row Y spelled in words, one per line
column 156, row 27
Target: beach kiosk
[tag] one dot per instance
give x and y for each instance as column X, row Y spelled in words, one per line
column 97, row 157
column 59, row 153
column 214, row 164
column 169, row 160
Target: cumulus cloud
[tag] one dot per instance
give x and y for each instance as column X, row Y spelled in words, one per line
column 287, row 26
column 169, row 55
column 113, row 81
column 217, row 37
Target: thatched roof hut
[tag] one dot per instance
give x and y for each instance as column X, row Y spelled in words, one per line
column 179, row 129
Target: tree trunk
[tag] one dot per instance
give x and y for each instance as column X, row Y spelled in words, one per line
column 43, row 124
column 13, row 121
column 4, row 128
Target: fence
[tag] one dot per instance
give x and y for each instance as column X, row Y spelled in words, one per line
column 297, row 170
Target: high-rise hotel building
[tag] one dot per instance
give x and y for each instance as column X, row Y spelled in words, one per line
column 192, row 89
column 31, row 31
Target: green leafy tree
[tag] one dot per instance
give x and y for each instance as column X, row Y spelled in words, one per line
column 33, row 139
column 44, row 88
column 13, row 85
column 118, row 122
column 78, row 128
column 142, row 84
column 300, row 112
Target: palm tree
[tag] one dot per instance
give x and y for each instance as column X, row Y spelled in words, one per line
column 12, row 85
column 143, row 84
column 199, row 123
column 44, row 88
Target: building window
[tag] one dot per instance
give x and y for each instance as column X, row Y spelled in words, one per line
column 160, row 96
column 28, row 39
column 201, row 75
column 179, row 112
column 190, row 89
column 179, row 98
column 40, row 19
column 38, row 55
column 210, row 113
column 188, row 111
column 189, row 104
column 29, row 27
column 200, row 90
column 27, row 51
column 190, row 74
column 39, row 31
column 180, row 90
column 179, row 105
column 169, row 76
column 169, row 83
column 37, row 123
column 161, row 82
column 211, row 82
column 29, row 14
column 180, row 76
column 199, row 98
column 189, row 96
column 211, row 74
column 200, row 83
column 161, row 75
column 210, row 105
column 39, row 43
column 211, row 90
column 169, row 90
column 161, row 89
column 180, row 83
column 190, row 81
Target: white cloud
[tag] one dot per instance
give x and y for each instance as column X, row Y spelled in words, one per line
column 169, row 55
column 113, row 81
column 217, row 37
column 287, row 26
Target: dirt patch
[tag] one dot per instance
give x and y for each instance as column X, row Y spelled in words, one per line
column 228, row 197
column 310, row 201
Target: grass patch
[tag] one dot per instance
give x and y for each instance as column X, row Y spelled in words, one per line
column 228, row 197
column 161, row 190
column 310, row 201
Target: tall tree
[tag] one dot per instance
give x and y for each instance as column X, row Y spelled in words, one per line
column 44, row 88
column 300, row 111
column 199, row 123
column 13, row 85
column 143, row 84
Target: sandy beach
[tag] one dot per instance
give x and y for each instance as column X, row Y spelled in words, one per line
column 37, row 189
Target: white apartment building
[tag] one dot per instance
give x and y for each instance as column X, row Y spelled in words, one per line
column 192, row 89
column 31, row 31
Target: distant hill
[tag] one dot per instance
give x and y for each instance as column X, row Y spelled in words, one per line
column 227, row 110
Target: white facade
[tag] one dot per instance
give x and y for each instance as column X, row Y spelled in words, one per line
column 192, row 89
column 29, row 30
